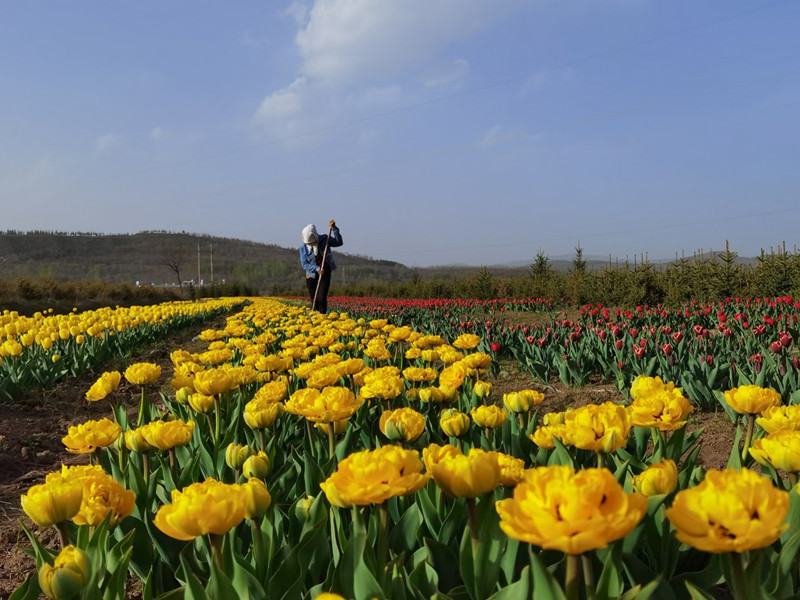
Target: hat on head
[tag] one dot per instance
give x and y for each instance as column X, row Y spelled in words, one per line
column 310, row 236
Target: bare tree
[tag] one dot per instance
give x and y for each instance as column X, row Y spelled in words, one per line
column 174, row 256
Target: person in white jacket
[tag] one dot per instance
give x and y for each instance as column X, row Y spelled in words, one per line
column 318, row 273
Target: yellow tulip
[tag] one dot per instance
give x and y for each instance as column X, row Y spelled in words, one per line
column 135, row 442
column 464, row 476
column 236, row 454
column 384, row 388
column 65, row 578
column 511, row 469
column 87, row 437
column 213, row 382
column 105, row 385
column 210, row 507
column 467, row 341
column 482, row 389
column 200, row 402
column 489, row 416
column 664, row 410
column 522, row 401
column 167, row 434
column 256, row 465
column 417, row 374
column 643, row 387
column 659, row 478
column 374, row 476
column 600, row 428
column 272, row 392
column 557, row 508
column 776, row 418
column 143, row 373
column 780, row 449
column 403, row 424
column 259, row 414
column 752, row 399
column 329, row 405
column 730, row 511
column 102, row 495
column 453, row 422
column 257, row 498
column 52, row 502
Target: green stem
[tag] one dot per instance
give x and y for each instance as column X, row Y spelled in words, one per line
column 145, row 466
column 98, row 456
column 142, row 408
column 473, row 525
column 332, row 443
column 663, row 439
column 588, row 575
column 217, row 420
column 216, row 550
column 739, row 584
column 262, row 439
column 383, row 535
column 521, row 422
column 792, row 480
column 751, row 421
column 258, row 547
column 173, row 465
column 572, row 578
column 601, row 460
column 63, row 533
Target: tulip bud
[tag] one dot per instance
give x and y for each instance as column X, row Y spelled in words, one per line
column 619, row 344
column 482, row 389
column 236, row 454
column 453, row 422
column 182, row 395
column 303, row 507
column 257, row 498
column 67, row 575
column 256, row 466
column 430, row 394
column 135, row 442
column 660, row 478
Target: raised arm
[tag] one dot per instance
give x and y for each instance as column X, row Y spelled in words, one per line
column 336, row 235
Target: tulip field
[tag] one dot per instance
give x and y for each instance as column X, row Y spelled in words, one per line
column 377, row 452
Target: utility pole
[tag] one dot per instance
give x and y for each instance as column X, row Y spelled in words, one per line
column 198, row 264
column 211, row 254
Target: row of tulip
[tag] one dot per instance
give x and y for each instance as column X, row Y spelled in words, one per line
column 37, row 351
column 306, row 456
column 707, row 348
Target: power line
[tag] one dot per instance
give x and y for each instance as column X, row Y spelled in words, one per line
column 468, row 91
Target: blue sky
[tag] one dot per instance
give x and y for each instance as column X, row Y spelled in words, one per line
column 433, row 131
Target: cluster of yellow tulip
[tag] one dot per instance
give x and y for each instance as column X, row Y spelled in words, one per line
column 39, row 350
column 396, row 408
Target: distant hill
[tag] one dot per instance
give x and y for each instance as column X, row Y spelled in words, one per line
column 146, row 257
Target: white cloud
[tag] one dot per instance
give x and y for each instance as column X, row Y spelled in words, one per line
column 446, row 73
column 104, row 142
column 352, row 40
column 297, row 11
column 158, row 133
column 284, row 103
column 248, row 40
column 358, row 57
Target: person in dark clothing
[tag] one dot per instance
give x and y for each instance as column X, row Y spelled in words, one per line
column 318, row 270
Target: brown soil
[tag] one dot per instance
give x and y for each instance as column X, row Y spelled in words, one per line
column 30, row 446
